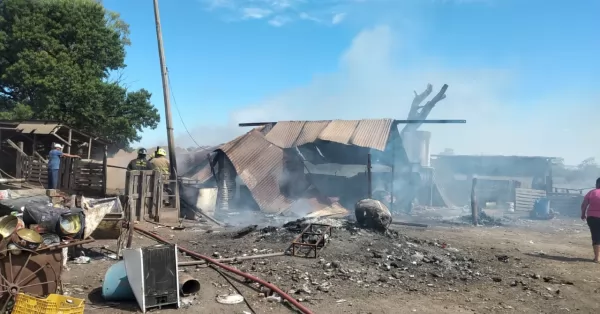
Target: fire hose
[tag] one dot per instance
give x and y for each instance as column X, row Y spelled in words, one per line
column 209, row 260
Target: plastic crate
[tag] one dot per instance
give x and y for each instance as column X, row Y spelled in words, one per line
column 53, row 304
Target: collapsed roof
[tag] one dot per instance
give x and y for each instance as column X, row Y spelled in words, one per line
column 259, row 156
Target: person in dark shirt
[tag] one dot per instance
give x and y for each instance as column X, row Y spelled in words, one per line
column 54, row 165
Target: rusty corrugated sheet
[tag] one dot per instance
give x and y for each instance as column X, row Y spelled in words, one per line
column 259, row 163
column 373, row 133
column 339, row 131
column 37, row 128
column 311, row 132
column 284, row 134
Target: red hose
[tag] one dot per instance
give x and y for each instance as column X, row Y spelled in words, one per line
column 230, row 269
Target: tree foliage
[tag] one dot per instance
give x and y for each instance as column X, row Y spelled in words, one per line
column 56, row 57
column 586, row 171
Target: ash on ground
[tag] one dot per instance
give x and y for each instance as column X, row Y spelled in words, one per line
column 353, row 258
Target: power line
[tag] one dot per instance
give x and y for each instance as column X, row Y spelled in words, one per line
column 179, row 112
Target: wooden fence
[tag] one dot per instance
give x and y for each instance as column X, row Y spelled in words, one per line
column 566, row 204
column 144, row 192
column 75, row 175
column 525, row 198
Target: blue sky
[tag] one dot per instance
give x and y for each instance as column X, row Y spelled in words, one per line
column 521, row 72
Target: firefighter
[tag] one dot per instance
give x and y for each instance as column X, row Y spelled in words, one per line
column 160, row 162
column 140, row 163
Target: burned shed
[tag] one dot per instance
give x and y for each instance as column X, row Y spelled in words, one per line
column 24, row 147
column 498, row 176
column 308, row 166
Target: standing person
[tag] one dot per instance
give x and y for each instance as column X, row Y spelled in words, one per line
column 140, row 163
column 160, row 162
column 54, row 165
column 590, row 211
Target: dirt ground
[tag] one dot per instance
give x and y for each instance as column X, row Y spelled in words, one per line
column 526, row 267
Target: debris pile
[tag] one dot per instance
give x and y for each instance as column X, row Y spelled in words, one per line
column 373, row 214
column 353, row 258
column 36, row 233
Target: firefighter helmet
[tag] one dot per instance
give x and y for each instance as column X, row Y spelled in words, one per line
column 161, row 152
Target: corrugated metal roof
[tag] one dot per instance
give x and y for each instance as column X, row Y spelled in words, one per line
column 259, row 163
column 37, row 128
column 372, row 133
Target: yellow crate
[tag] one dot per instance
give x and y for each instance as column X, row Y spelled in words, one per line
column 53, row 304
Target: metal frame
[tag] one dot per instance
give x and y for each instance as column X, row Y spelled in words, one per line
column 300, row 240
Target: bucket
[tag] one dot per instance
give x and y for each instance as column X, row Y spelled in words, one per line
column 115, row 286
column 70, row 224
column 9, row 224
column 28, row 239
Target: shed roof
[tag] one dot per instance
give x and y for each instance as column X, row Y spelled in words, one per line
column 43, row 127
column 370, row 133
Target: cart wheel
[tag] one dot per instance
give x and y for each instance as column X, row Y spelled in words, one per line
column 19, row 274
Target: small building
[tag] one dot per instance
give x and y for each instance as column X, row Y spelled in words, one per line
column 24, row 147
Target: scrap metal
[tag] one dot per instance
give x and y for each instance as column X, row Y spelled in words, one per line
column 306, row 239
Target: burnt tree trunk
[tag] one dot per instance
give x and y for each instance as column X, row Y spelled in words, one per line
column 418, row 112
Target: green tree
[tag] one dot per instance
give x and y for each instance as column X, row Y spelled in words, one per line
column 56, row 61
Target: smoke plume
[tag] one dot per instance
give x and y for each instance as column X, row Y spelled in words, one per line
column 373, row 80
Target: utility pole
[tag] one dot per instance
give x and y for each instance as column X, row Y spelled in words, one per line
column 165, row 83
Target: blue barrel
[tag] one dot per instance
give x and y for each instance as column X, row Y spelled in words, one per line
column 542, row 206
column 116, row 284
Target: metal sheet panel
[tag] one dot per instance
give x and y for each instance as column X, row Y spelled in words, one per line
column 284, row 134
column 311, row 132
column 37, row 128
column 339, row 131
column 372, row 133
column 259, row 163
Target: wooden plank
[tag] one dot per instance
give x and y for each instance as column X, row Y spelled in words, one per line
column 104, row 162
column 525, row 198
column 89, row 153
column 69, row 138
column 16, row 147
column 157, row 195
column 143, row 188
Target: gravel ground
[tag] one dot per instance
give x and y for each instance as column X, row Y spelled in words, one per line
column 526, row 267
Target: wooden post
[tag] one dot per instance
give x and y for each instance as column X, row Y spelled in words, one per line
column 158, row 183
column 143, row 192
column 104, row 172
column 369, row 182
column 34, row 145
column 431, row 183
column 89, row 154
column 394, row 127
column 474, row 203
column 69, row 140
column 177, row 200
column 19, row 161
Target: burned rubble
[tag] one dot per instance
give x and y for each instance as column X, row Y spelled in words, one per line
column 361, row 258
